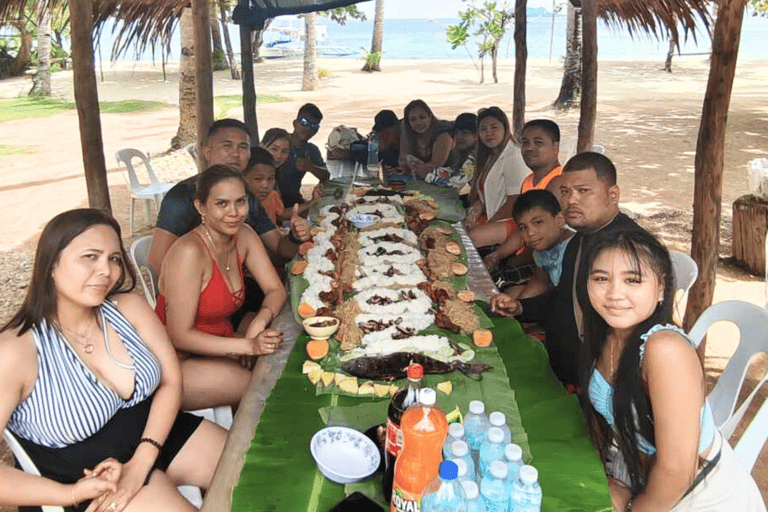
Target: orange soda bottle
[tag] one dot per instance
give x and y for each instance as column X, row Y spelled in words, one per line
column 424, row 431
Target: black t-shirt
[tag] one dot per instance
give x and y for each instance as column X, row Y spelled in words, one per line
column 289, row 177
column 178, row 215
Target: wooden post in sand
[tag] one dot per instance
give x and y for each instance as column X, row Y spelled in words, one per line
column 249, row 84
column 588, row 75
column 750, row 222
column 708, row 164
column 204, row 79
column 521, row 62
column 87, row 102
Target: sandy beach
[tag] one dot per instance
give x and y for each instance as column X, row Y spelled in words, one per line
column 647, row 120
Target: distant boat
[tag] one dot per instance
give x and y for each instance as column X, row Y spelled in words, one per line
column 285, row 38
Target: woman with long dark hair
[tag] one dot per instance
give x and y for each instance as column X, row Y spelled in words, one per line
column 201, row 285
column 91, row 385
column 646, row 405
column 426, row 142
column 500, row 171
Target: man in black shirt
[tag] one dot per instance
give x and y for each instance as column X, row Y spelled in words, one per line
column 228, row 143
column 590, row 198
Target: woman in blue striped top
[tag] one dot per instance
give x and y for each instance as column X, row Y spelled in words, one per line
column 91, row 384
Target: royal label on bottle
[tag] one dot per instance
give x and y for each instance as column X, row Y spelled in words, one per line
column 403, row 501
column 394, row 438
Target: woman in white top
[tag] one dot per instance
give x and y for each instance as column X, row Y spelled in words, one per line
column 500, row 173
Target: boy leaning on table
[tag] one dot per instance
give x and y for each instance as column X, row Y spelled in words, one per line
column 542, row 226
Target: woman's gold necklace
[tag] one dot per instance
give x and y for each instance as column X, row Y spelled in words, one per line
column 229, row 254
column 81, row 339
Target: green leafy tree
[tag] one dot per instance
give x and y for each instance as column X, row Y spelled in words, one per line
column 487, row 21
column 759, row 6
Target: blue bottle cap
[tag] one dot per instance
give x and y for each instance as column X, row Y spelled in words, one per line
column 448, row 470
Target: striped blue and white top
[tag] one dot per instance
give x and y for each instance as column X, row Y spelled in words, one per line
column 68, row 403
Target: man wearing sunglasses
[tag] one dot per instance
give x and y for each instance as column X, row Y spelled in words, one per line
column 304, row 156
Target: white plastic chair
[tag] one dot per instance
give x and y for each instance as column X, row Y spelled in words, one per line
column 139, row 254
column 686, row 271
column 152, row 192
column 751, row 321
column 190, row 492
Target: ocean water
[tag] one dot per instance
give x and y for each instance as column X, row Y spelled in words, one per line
column 426, row 39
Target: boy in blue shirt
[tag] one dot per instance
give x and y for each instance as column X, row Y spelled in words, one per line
column 542, row 225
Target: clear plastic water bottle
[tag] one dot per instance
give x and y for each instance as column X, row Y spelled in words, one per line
column 462, row 471
column 513, row 456
column 460, row 451
column 373, row 155
column 499, row 419
column 455, row 433
column 492, row 449
column 444, row 493
column 492, row 488
column 526, row 492
column 472, row 493
column 475, row 425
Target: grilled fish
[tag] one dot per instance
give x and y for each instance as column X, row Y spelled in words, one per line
column 393, row 366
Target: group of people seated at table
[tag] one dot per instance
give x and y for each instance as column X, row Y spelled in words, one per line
column 94, row 379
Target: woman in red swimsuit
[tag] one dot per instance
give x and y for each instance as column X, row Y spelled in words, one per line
column 201, row 285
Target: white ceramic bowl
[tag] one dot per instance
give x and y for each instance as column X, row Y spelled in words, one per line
column 362, row 220
column 320, row 333
column 344, row 455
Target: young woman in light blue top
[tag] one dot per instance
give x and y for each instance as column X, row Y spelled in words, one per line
column 647, row 408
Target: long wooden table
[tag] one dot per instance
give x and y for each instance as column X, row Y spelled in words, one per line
column 568, row 430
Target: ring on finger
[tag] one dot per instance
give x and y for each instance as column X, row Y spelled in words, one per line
column 113, row 506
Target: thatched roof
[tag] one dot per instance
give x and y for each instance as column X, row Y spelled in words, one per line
column 151, row 22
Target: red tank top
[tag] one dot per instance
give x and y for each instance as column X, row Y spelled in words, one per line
column 216, row 302
column 542, row 185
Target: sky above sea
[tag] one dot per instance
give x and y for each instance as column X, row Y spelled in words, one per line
column 417, row 30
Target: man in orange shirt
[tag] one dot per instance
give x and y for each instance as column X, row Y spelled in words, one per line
column 540, row 147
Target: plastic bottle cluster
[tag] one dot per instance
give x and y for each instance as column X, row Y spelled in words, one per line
column 481, row 470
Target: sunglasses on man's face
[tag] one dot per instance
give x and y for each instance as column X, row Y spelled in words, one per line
column 303, row 121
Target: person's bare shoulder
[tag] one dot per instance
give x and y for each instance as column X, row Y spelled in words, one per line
column 18, row 361
column 187, row 249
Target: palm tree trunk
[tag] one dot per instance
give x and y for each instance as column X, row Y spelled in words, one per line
column 670, row 53
column 227, row 42
column 377, row 39
column 24, row 56
column 570, row 87
column 218, row 51
column 708, row 163
column 42, row 85
column 186, row 134
column 310, row 80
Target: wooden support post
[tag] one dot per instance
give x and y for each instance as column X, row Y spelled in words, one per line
column 201, row 20
column 521, row 62
column 588, row 76
column 249, row 84
column 87, row 101
column 708, row 164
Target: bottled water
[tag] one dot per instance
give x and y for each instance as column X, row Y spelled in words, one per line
column 444, row 493
column 475, row 425
column 461, row 474
column 526, row 492
column 373, row 155
column 460, row 451
column 498, row 419
column 513, row 455
column 472, row 493
column 455, row 433
column 492, row 449
column 492, row 488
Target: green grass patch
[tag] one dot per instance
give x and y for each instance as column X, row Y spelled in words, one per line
column 28, row 107
column 222, row 105
column 14, row 150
